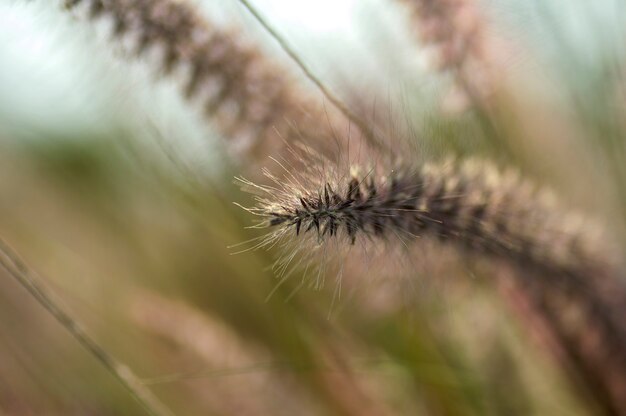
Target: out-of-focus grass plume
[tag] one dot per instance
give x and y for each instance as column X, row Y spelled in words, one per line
column 119, row 194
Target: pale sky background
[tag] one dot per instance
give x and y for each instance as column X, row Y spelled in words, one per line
column 56, row 76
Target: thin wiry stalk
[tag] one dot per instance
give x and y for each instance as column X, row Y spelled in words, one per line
column 562, row 260
column 11, row 262
column 369, row 135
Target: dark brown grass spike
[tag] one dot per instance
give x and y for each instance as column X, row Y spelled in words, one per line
column 246, row 93
column 481, row 211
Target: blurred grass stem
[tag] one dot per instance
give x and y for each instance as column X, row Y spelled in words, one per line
column 12, row 263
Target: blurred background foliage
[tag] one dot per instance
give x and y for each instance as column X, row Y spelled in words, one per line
column 119, row 195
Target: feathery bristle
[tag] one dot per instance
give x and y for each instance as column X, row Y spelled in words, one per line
column 468, row 203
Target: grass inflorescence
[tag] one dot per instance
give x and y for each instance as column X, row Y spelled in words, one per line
column 563, row 260
column 318, row 205
column 469, row 202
